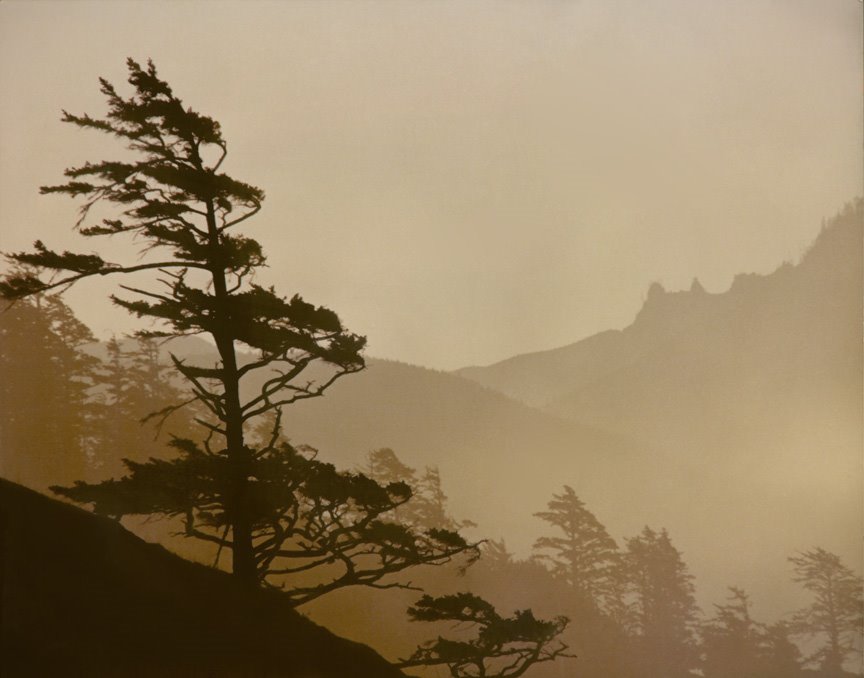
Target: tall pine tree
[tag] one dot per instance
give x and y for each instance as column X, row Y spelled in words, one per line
column 836, row 616
column 172, row 196
column 662, row 606
column 279, row 511
column 582, row 553
column 133, row 386
column 46, row 384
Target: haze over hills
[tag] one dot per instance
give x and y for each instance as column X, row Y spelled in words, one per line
column 731, row 419
column 752, row 397
column 800, row 323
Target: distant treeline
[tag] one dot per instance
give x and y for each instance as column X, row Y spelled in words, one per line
column 632, row 607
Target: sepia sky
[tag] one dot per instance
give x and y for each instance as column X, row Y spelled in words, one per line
column 465, row 181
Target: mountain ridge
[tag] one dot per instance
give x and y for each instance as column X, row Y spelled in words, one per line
column 750, row 398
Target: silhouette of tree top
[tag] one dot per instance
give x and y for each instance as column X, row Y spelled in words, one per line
column 582, row 554
column 176, row 201
column 503, row 647
column 837, row 611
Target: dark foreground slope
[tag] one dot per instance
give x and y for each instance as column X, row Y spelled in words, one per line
column 81, row 596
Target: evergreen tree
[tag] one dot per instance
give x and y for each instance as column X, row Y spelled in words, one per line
column 46, row 381
column 495, row 555
column 428, row 506
column 662, row 606
column 736, row 646
column 781, row 657
column 732, row 641
column 385, row 467
column 500, row 647
column 174, row 199
column 835, row 615
column 134, row 386
column 582, row 554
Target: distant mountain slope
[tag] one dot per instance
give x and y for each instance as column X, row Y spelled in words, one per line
column 80, row 596
column 486, row 445
column 752, row 399
column 800, row 321
column 781, row 350
column 499, row 459
column 732, row 419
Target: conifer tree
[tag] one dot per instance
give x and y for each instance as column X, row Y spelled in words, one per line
column 732, row 641
column 134, row 385
column 734, row 645
column 430, row 503
column 781, row 657
column 278, row 511
column 173, row 197
column 662, row 605
column 835, row 615
column 427, row 508
column 583, row 554
column 499, row 647
column 45, row 392
column 385, row 467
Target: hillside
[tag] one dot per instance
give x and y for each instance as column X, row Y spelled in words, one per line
column 752, row 397
column 499, row 459
column 732, row 419
column 81, row 596
column 800, row 322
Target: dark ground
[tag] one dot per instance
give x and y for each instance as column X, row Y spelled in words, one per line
column 81, row 596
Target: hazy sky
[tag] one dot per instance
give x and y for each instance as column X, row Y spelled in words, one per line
column 464, row 181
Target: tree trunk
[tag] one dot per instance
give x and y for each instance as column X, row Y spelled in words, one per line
column 237, row 499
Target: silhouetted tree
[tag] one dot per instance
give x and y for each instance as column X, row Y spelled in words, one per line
column 427, row 508
column 781, row 657
column 500, row 647
column 314, row 529
column 133, row 387
column 583, row 555
column 731, row 640
column 835, row 615
column 174, row 200
column 384, row 466
column 496, row 556
column 45, row 392
column 736, row 646
column 429, row 504
column 662, row 607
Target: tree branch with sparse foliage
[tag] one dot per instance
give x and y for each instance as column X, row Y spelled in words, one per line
column 499, row 647
column 314, row 529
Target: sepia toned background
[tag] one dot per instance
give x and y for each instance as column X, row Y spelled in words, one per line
column 467, row 183
column 519, row 172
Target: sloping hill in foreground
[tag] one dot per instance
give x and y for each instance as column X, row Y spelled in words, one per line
column 81, row 596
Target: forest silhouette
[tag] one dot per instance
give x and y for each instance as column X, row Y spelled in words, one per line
column 136, row 430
